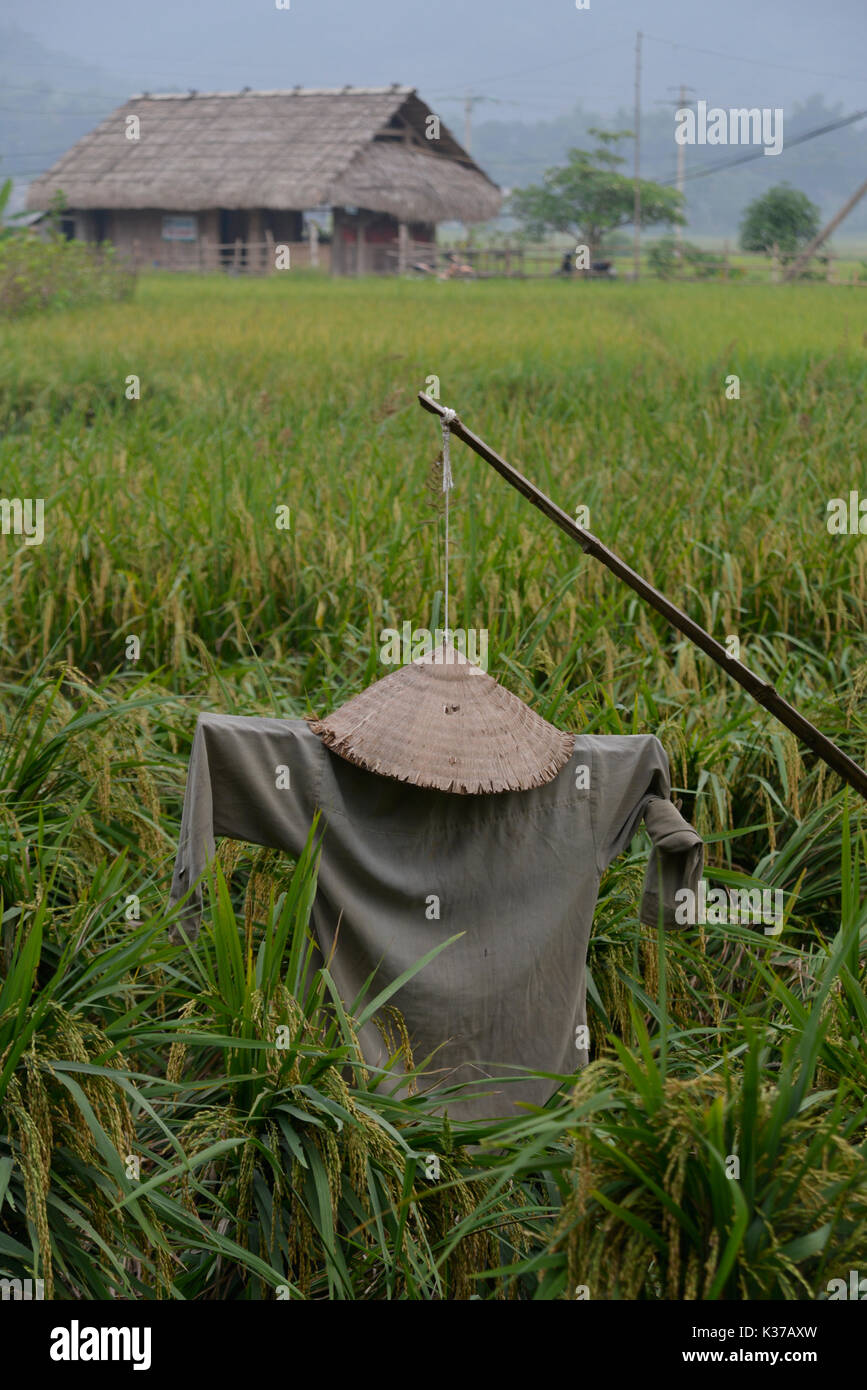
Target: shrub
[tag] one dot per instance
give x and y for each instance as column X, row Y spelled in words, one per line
column 664, row 260
column 53, row 273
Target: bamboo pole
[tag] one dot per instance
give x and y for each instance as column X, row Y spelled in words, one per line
column 759, row 689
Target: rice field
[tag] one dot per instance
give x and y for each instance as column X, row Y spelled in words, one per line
column 153, row 1141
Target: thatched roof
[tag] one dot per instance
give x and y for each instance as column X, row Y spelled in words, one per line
column 307, row 148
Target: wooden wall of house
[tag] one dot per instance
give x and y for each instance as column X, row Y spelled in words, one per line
column 366, row 242
column 141, row 229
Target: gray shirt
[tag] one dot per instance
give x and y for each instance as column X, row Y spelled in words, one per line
column 403, row 868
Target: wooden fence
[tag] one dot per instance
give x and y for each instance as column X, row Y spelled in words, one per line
column 537, row 262
column 522, row 262
column 235, row 257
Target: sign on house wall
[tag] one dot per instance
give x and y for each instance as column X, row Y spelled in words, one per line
column 177, row 228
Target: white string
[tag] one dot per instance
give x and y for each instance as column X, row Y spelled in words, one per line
column 448, row 483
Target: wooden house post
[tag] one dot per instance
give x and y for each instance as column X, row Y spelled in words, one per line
column 402, row 247
column 254, row 238
column 360, row 245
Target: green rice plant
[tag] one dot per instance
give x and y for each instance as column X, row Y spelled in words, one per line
column 66, row 789
column 740, row 1179
column 66, row 1139
column 88, row 1154
column 712, row 1187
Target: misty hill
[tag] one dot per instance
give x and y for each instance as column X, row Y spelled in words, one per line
column 49, row 101
column 827, row 169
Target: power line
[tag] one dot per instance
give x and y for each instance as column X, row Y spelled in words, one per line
column 502, row 77
column 757, row 62
column 544, row 67
column 709, row 169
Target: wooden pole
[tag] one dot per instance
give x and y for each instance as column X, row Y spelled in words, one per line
column 636, row 213
column 775, row 263
column 679, row 183
column 759, row 689
column 798, row 264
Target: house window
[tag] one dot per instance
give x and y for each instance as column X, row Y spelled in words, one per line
column 177, row 228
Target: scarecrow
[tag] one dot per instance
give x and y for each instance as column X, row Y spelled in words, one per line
column 450, row 807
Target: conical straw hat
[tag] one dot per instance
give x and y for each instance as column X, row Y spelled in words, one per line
column 442, row 722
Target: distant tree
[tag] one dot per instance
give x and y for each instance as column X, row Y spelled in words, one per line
column 589, row 197
column 784, row 216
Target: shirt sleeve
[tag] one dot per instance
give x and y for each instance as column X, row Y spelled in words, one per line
column 630, row 781
column 249, row 779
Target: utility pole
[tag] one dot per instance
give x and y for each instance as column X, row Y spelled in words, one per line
column 798, row 265
column 468, row 101
column 681, row 160
column 636, row 216
column 681, row 172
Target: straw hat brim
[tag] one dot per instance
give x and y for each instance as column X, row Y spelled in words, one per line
column 443, row 723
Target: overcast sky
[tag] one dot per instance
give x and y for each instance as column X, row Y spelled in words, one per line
column 529, row 58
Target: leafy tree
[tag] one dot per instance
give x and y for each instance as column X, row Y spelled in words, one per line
column 784, row 216
column 589, row 197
